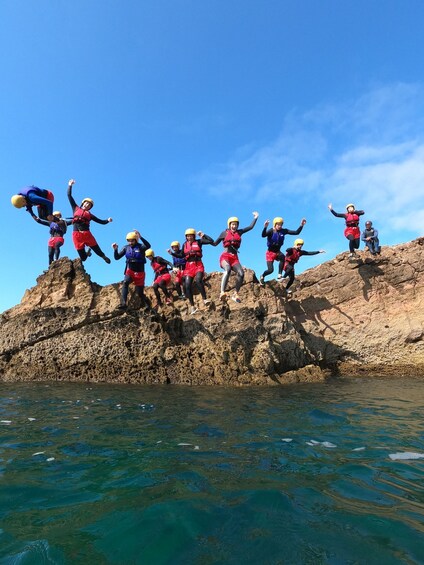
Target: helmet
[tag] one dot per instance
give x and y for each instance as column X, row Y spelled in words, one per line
column 277, row 220
column 18, row 201
column 350, row 206
column 299, row 242
column 190, row 231
column 149, row 253
column 89, row 200
column 231, row 220
column 132, row 235
column 368, row 223
column 175, row 244
column 57, row 214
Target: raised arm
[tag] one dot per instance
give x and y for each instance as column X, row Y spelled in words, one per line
column 70, row 197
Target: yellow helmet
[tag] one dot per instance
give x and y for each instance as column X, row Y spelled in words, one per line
column 350, row 206
column 175, row 244
column 18, row 201
column 190, row 231
column 277, row 220
column 89, row 200
column 132, row 235
column 149, row 253
column 57, row 214
column 299, row 242
column 231, row 220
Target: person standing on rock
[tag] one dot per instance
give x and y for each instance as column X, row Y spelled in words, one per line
column 34, row 196
column 179, row 262
column 135, row 254
column 194, row 269
column 370, row 237
column 351, row 232
column 58, row 227
column 82, row 235
column 293, row 254
column 162, row 279
column 229, row 260
column 275, row 240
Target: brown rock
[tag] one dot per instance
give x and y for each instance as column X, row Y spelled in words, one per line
column 345, row 317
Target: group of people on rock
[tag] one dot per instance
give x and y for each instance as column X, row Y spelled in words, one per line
column 187, row 264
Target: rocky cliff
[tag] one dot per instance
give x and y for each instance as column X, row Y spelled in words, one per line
column 344, row 317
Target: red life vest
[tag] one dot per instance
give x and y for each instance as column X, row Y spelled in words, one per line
column 352, row 220
column 82, row 216
column 192, row 251
column 158, row 268
column 232, row 239
column 294, row 256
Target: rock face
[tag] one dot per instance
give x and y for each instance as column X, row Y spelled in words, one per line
column 350, row 317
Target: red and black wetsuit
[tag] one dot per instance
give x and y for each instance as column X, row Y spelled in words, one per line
column 229, row 258
column 291, row 258
column 351, row 232
column 82, row 235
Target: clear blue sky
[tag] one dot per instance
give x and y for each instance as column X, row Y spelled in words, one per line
column 181, row 113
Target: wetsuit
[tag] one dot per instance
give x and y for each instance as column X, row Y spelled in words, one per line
column 179, row 262
column 57, row 231
column 194, row 268
column 39, row 197
column 351, row 231
column 82, row 235
column 134, row 269
column 291, row 258
column 275, row 240
column 373, row 244
column 229, row 260
column 162, row 278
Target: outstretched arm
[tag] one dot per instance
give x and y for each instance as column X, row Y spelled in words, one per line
column 99, row 221
column 330, row 207
column 205, row 239
column 252, row 224
column 36, row 218
column 70, row 197
column 299, row 229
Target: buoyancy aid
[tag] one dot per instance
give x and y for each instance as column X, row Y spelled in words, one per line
column 58, row 229
column 294, row 256
column 81, row 216
column 232, row 239
column 159, row 268
column 192, row 251
column 275, row 240
column 179, row 262
column 135, row 254
column 352, row 220
column 369, row 233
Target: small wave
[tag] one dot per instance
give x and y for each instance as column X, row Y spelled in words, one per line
column 406, row 455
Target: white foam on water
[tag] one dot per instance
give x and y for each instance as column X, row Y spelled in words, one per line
column 6, row 422
column 328, row 444
column 405, row 455
column 358, row 449
column 313, row 442
column 184, row 444
column 50, row 459
column 196, row 447
column 32, row 419
column 39, row 453
column 286, row 439
column 75, row 417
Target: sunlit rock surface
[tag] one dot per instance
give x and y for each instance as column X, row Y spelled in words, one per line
column 344, row 318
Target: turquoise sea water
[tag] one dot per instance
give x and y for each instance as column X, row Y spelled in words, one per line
column 323, row 473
